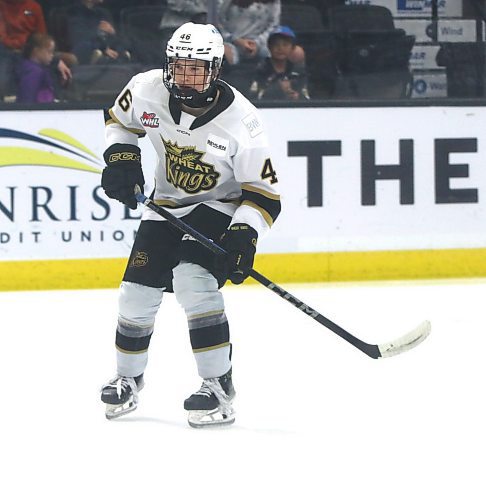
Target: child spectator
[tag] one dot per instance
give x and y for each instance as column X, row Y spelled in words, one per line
column 19, row 19
column 276, row 76
column 35, row 82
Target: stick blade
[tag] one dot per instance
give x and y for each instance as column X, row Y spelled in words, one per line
column 407, row 342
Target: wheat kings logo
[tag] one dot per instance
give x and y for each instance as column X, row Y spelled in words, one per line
column 185, row 169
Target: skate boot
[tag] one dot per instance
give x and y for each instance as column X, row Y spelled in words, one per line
column 211, row 404
column 121, row 395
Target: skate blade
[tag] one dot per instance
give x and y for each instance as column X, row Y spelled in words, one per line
column 209, row 418
column 115, row 411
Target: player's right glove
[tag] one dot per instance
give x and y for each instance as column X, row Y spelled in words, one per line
column 123, row 170
column 239, row 241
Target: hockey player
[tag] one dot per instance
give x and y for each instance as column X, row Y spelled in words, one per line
column 214, row 171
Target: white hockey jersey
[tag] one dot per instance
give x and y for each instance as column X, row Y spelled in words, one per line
column 220, row 159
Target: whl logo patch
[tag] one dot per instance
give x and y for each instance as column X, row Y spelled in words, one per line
column 149, row 120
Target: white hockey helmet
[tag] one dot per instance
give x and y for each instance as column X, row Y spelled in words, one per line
column 195, row 41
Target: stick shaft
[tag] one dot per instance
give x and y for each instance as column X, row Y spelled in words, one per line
column 370, row 349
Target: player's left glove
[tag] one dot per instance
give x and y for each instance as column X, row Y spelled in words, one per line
column 239, row 241
column 123, row 170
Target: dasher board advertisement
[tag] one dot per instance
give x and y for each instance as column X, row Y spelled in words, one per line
column 51, row 203
column 420, row 8
column 351, row 179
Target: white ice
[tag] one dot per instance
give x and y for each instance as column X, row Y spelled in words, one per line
column 316, row 418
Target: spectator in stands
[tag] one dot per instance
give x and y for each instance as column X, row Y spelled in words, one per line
column 177, row 12
column 246, row 25
column 18, row 20
column 93, row 36
column 35, row 82
column 180, row 12
column 276, row 76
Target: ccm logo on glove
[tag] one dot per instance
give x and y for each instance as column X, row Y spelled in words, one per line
column 124, row 156
column 122, row 173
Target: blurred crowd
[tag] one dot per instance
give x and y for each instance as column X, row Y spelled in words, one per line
column 85, row 50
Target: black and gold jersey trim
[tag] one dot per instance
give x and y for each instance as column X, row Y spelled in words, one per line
column 110, row 119
column 173, row 204
column 167, row 203
column 268, row 204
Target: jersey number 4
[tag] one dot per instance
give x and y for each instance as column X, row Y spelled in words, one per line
column 268, row 172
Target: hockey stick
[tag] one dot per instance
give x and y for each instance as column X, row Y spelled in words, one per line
column 402, row 344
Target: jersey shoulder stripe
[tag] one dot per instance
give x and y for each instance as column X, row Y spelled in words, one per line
column 111, row 119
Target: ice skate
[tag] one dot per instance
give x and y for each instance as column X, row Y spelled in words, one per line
column 120, row 395
column 211, row 404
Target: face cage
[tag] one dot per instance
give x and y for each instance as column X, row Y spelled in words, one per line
column 190, row 96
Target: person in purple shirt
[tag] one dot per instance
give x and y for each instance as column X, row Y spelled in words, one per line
column 34, row 79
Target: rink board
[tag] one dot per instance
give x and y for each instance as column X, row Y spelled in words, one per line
column 367, row 193
column 279, row 268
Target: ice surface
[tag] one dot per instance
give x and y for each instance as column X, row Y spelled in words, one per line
column 316, row 418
